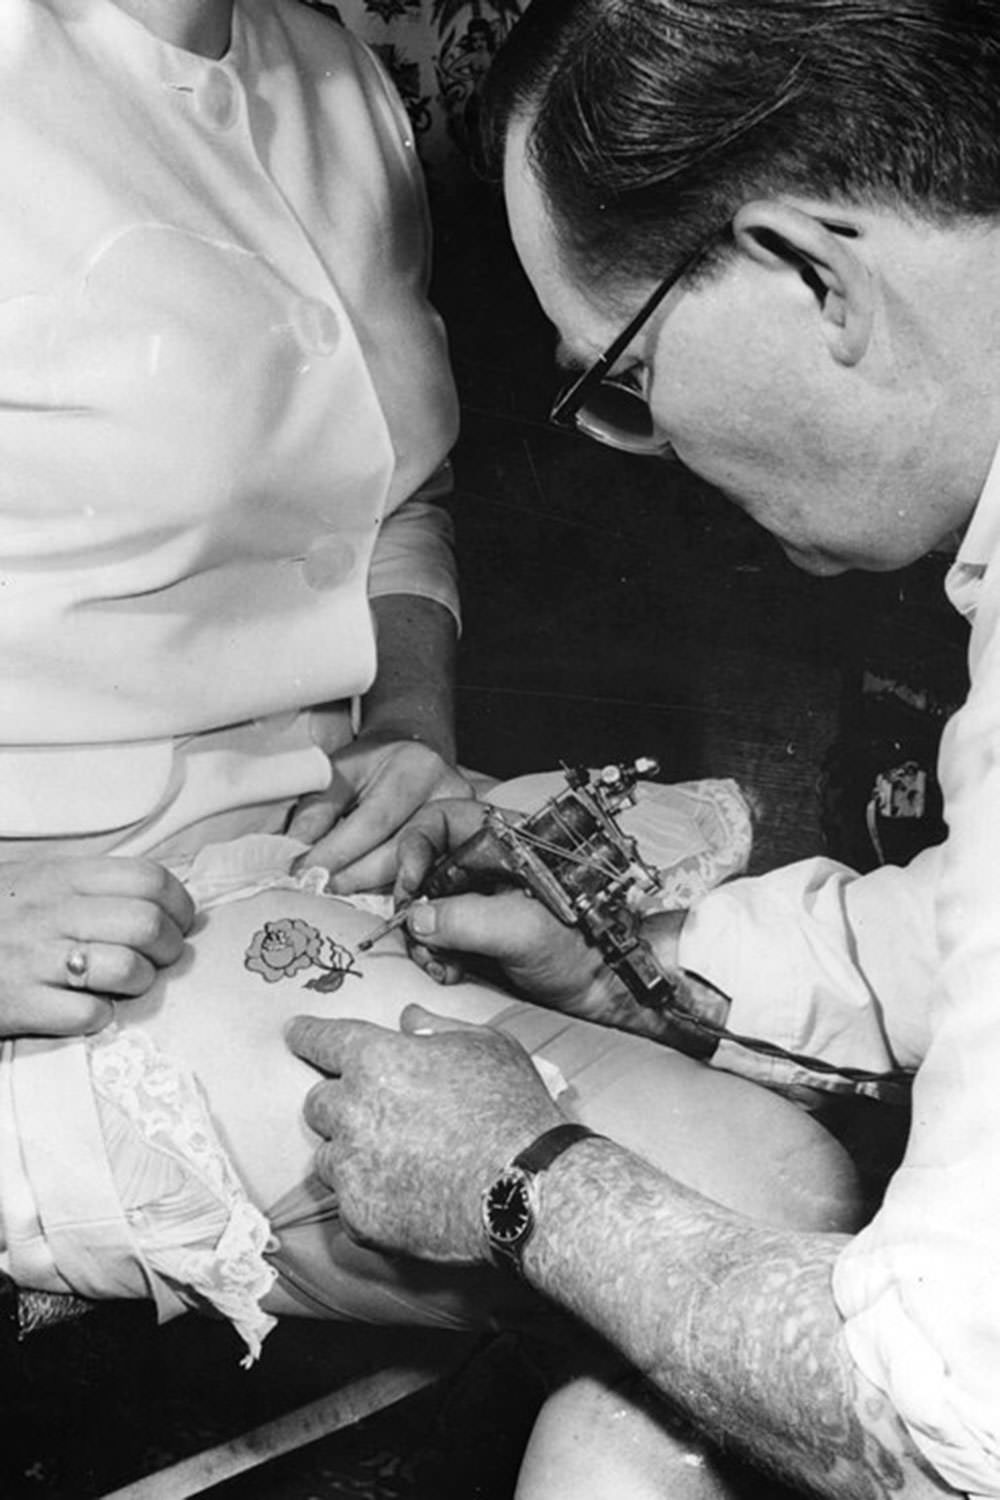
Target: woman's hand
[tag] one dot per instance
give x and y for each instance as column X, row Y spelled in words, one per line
column 78, row 933
column 378, row 782
column 403, row 757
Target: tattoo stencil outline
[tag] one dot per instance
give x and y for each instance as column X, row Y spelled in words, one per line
column 287, row 946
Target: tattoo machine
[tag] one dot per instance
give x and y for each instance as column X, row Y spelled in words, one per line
column 573, row 856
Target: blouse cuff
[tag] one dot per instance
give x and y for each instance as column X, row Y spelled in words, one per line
column 415, row 555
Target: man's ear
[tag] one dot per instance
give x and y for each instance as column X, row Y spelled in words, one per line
column 774, row 234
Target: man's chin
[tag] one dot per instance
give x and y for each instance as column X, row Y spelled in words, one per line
column 820, row 564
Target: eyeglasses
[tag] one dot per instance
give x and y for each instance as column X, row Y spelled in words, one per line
column 609, row 408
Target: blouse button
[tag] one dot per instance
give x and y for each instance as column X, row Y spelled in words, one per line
column 216, row 100
column 329, row 563
column 316, row 326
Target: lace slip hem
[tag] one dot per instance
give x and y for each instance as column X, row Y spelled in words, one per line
column 191, row 1218
column 719, row 832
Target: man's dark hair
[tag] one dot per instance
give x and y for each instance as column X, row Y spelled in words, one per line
column 654, row 120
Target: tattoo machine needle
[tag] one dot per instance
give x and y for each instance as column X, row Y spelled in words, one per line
column 459, row 870
column 389, row 925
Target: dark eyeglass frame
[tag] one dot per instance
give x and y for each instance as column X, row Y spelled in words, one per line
column 569, row 410
column 571, row 400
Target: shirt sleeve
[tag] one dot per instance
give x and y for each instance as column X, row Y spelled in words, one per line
column 415, row 550
column 920, row 1287
column 821, row 962
column 902, row 967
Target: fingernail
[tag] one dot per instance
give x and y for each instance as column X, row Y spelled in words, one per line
column 423, row 919
column 437, row 972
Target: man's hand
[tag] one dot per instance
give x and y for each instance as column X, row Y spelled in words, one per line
column 539, row 956
column 417, row 1125
column 76, row 934
column 377, row 782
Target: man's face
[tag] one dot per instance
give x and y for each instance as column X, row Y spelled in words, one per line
column 739, row 378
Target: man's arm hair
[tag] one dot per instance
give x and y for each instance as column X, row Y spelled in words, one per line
column 735, row 1324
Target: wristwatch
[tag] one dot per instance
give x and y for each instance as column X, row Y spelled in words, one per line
column 510, row 1203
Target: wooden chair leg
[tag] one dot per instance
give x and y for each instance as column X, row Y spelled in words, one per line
column 285, row 1434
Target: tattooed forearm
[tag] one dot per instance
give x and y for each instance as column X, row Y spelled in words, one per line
column 736, row 1324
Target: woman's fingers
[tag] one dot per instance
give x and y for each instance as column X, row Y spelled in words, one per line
column 77, row 934
column 139, row 879
column 58, row 1012
column 125, row 921
column 437, row 829
column 372, row 872
column 98, row 968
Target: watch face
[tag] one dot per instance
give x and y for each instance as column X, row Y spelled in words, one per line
column 507, row 1210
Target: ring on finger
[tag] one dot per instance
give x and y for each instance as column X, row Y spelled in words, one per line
column 77, row 968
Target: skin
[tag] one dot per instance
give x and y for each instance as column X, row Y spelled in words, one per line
column 733, row 1323
column 842, row 392
column 854, row 413
column 403, row 757
column 131, row 916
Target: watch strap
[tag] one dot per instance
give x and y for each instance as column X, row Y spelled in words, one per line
column 525, row 1167
column 551, row 1144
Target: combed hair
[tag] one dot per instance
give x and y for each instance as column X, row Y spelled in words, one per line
column 654, row 120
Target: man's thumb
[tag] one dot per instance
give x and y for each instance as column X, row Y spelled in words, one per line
column 418, row 1021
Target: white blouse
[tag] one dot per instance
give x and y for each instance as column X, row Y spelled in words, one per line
column 221, row 381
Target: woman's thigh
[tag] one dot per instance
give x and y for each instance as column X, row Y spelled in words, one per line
column 255, row 963
column 732, row 1140
column 250, row 966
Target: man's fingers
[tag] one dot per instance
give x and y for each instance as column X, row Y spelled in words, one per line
column 329, row 1045
column 506, row 926
column 319, row 1108
column 417, row 1021
column 416, row 852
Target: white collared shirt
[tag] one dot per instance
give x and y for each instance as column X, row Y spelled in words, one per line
column 901, row 968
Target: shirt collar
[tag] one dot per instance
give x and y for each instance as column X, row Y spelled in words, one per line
column 979, row 546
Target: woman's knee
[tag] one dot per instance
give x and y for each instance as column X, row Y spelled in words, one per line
column 735, row 1141
column 603, row 1438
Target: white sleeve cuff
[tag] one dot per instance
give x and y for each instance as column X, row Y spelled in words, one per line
column 415, row 555
column 780, row 947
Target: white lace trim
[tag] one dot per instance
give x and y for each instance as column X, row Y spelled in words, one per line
column 222, row 1262
column 722, row 814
